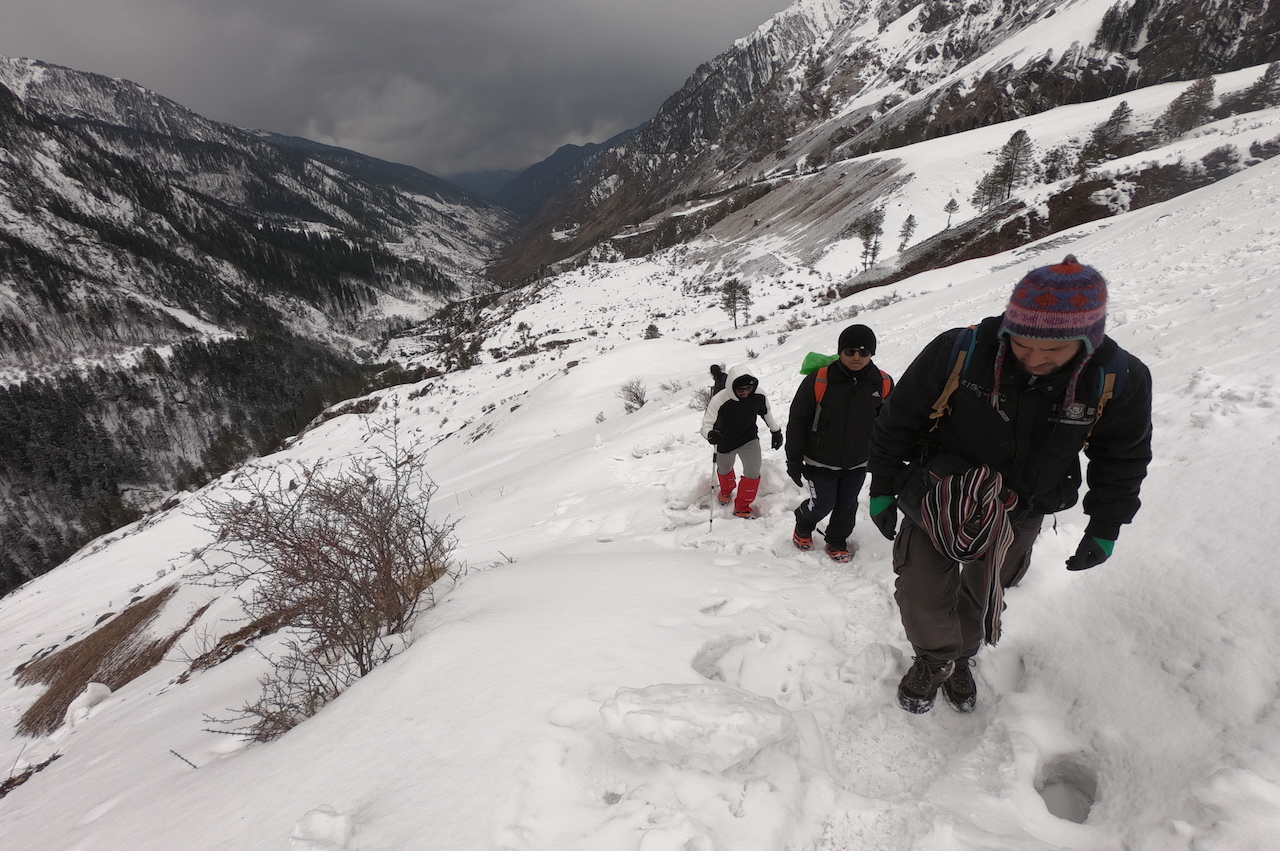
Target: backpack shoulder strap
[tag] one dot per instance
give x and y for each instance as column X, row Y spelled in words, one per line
column 960, row 351
column 1110, row 382
column 819, row 390
column 820, row 385
column 886, row 384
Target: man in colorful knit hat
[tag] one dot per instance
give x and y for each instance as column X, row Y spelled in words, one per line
column 980, row 439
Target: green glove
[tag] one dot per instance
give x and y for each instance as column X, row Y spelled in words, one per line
column 884, row 513
column 1092, row 552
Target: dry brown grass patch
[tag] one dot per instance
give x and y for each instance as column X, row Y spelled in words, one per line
column 113, row 655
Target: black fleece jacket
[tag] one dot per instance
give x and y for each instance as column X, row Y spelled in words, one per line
column 840, row 437
column 1028, row 439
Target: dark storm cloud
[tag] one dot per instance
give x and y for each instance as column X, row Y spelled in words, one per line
column 446, row 85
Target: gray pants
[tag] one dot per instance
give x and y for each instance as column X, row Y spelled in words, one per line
column 750, row 455
column 942, row 603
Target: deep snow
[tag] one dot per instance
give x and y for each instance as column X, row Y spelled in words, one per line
column 614, row 671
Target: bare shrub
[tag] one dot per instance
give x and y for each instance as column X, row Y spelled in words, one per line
column 700, row 399
column 672, row 387
column 114, row 654
column 633, row 395
column 344, row 559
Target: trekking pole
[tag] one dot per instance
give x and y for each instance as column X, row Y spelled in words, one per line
column 711, row 503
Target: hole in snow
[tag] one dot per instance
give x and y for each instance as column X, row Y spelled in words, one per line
column 1069, row 787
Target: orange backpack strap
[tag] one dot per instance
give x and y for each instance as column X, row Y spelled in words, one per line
column 819, row 390
column 886, row 384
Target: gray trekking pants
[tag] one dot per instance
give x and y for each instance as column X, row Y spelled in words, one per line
column 749, row 452
column 942, row 604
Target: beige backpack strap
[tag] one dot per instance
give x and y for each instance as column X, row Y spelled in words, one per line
column 1108, row 390
column 942, row 407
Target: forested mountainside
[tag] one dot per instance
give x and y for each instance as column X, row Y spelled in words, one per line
column 178, row 294
column 827, row 82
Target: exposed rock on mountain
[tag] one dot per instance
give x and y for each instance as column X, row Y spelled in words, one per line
column 177, row 294
column 827, row 81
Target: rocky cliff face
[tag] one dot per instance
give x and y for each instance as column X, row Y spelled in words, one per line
column 177, row 295
column 128, row 220
column 827, row 81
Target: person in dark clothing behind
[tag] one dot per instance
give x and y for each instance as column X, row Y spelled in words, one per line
column 1032, row 393
column 827, row 440
column 717, row 378
column 730, row 426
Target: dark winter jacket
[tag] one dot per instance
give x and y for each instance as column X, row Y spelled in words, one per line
column 840, row 437
column 1029, row 439
column 735, row 418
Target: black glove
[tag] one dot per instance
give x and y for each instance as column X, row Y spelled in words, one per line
column 795, row 471
column 884, row 513
column 1091, row 553
column 775, row 442
column 713, row 437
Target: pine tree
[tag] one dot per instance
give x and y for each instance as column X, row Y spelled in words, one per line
column 652, row 332
column 907, row 230
column 1187, row 111
column 1264, row 92
column 1017, row 162
column 989, row 191
column 951, row 208
column 735, row 298
column 869, row 229
column 1107, row 140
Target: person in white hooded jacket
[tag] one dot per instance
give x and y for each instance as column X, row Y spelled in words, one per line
column 730, row 426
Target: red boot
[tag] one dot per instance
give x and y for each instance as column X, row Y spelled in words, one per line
column 747, row 489
column 727, row 481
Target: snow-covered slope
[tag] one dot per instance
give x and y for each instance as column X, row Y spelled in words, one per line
column 1142, row 692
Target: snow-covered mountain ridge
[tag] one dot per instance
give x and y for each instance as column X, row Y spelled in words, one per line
column 824, row 83
column 1129, row 707
column 122, row 199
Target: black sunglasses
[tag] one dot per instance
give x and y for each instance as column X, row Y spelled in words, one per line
column 861, row 352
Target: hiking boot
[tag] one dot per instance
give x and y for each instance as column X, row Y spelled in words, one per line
column 724, row 498
column 919, row 688
column 960, row 690
column 742, row 512
column 839, row 554
column 804, row 543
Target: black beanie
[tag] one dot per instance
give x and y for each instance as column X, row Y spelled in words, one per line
column 857, row 337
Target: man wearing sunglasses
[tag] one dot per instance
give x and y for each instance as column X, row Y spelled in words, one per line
column 828, row 433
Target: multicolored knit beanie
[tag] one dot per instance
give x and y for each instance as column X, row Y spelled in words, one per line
column 1063, row 302
column 1067, row 301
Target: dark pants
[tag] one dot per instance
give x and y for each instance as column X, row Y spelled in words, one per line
column 835, row 494
column 942, row 602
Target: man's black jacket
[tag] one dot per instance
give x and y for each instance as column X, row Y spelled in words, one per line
column 843, row 428
column 1028, row 438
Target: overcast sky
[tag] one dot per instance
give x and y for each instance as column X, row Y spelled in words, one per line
column 445, row 85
